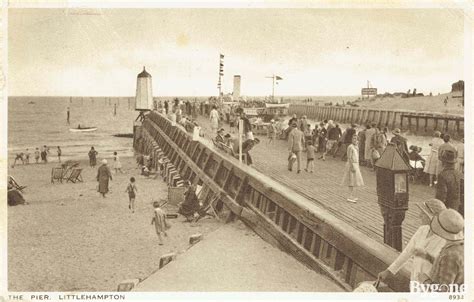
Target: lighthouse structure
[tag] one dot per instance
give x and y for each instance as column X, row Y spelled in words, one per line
column 144, row 94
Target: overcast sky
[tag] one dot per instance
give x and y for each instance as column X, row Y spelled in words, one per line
column 316, row 51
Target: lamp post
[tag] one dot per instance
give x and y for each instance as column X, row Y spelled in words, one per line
column 392, row 191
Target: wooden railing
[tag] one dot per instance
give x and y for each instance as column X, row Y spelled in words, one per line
column 419, row 122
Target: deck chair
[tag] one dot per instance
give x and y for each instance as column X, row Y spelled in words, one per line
column 75, row 176
column 15, row 184
column 57, row 174
column 209, row 208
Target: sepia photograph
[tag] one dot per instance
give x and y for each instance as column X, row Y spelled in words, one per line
column 245, row 148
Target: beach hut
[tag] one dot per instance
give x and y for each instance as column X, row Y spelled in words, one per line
column 144, row 95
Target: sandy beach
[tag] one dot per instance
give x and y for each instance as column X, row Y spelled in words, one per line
column 71, row 239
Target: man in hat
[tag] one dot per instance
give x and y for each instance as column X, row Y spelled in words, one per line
column 448, row 267
column 350, row 132
column 401, row 144
column 295, row 145
column 447, row 146
column 103, row 176
column 448, row 188
column 220, row 136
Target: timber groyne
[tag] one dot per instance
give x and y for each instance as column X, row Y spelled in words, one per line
column 413, row 121
column 276, row 213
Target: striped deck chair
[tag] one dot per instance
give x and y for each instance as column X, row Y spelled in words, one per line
column 57, row 175
column 75, row 175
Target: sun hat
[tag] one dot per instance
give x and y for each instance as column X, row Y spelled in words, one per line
column 272, row 121
column 437, row 133
column 448, row 224
column 431, row 207
column 396, row 131
column 104, row 161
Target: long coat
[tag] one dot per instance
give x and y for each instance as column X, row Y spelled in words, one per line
column 103, row 176
column 295, row 140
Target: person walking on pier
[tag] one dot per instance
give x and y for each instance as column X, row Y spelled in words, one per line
column 362, row 142
column 214, row 119
column 448, row 188
column 368, row 144
column 295, row 145
column 271, row 131
column 310, row 151
column 350, row 132
column 352, row 176
column 68, row 115
column 433, row 164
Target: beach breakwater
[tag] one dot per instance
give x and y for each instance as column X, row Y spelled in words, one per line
column 413, row 121
column 279, row 215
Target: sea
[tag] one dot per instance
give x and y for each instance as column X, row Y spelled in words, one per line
column 37, row 121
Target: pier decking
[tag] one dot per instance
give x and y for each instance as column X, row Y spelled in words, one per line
column 323, row 187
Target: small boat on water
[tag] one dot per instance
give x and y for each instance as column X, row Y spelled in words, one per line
column 31, row 102
column 83, row 129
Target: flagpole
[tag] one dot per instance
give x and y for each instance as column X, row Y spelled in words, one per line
column 273, row 89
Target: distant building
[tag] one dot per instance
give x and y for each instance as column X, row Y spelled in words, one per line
column 236, row 92
column 458, row 86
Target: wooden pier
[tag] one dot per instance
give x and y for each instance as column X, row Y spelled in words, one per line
column 278, row 214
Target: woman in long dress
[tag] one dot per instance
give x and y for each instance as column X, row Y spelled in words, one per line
column 92, row 157
column 214, row 118
column 422, row 248
column 352, row 176
column 103, row 176
column 433, row 165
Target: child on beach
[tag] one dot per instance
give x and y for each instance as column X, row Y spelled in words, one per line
column 159, row 219
column 27, row 157
column 37, row 155
column 131, row 189
column 117, row 165
column 310, row 150
column 59, row 154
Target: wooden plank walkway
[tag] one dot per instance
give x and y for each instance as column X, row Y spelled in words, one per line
column 324, row 187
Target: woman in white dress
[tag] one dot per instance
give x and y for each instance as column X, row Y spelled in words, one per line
column 433, row 165
column 117, row 164
column 214, row 118
column 424, row 246
column 352, row 176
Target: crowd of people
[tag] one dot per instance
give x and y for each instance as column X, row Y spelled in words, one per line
column 40, row 156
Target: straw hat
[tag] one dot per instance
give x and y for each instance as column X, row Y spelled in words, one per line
column 449, row 225
column 396, row 131
column 431, row 207
column 104, row 161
